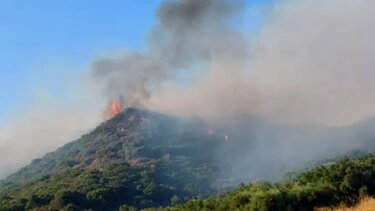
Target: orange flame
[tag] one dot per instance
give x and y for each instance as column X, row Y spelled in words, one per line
column 114, row 109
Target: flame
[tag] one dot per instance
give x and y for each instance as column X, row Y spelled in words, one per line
column 114, row 109
column 226, row 137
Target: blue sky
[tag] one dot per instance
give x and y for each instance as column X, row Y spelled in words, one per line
column 35, row 34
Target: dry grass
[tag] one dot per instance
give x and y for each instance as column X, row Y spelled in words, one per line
column 366, row 204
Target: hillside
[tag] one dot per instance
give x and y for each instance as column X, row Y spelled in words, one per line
column 138, row 158
column 141, row 159
column 344, row 182
column 135, row 137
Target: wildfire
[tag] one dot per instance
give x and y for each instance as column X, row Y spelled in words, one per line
column 114, row 109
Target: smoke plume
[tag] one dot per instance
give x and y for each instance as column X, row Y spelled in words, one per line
column 305, row 65
column 188, row 32
column 311, row 62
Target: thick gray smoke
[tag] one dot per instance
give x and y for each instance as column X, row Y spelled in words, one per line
column 305, row 65
column 312, row 62
column 188, row 32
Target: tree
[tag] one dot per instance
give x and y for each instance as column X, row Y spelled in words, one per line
column 126, row 207
column 175, row 200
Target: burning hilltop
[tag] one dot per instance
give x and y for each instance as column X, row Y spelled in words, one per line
column 136, row 151
column 114, row 108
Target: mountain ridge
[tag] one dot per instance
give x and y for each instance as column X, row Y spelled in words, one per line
column 156, row 157
column 144, row 159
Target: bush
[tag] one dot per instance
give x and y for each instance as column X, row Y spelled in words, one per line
column 343, row 182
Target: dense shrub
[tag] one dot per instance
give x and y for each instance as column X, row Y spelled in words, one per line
column 343, row 182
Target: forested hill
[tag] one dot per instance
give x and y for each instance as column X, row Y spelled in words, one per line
column 135, row 136
column 139, row 158
column 344, row 182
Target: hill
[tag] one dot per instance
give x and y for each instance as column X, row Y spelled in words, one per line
column 344, row 182
column 138, row 158
column 142, row 159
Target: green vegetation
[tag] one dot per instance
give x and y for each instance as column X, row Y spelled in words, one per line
column 343, row 182
column 142, row 160
column 136, row 160
column 122, row 187
column 107, row 189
